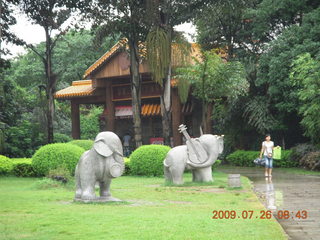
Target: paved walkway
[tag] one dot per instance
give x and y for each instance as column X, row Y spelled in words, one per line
column 290, row 192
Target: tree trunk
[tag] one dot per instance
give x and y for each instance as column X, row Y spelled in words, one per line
column 51, row 82
column 136, row 91
column 165, row 109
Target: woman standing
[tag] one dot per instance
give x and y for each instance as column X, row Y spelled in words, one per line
column 267, row 151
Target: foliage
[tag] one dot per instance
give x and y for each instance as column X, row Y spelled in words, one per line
column 223, row 24
column 306, row 75
column 147, row 160
column 23, row 139
column 22, row 167
column 258, row 114
column 158, row 53
column 245, row 159
column 61, row 138
column 89, row 122
column 300, row 150
column 213, row 78
column 311, row 161
column 56, row 155
column 242, row 158
column 6, row 165
column 216, row 164
column 127, row 170
column 59, row 174
column 85, row 144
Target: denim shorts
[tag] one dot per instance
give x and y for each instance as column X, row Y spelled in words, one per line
column 269, row 162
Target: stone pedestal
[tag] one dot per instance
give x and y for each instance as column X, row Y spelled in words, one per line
column 98, row 200
column 234, row 180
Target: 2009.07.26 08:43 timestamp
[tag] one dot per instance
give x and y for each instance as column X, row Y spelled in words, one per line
column 250, row 214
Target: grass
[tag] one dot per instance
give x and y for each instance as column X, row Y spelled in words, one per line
column 151, row 210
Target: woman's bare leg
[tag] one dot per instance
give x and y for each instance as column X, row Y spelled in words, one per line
column 270, row 171
column 266, row 172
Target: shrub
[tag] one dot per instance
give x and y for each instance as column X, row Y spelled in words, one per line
column 59, row 174
column 245, row 158
column 61, row 138
column 311, row 160
column 216, row 164
column 85, row 144
column 300, row 150
column 6, row 165
column 22, row 167
column 126, row 166
column 56, row 155
column 285, row 160
column 148, row 160
column 47, row 183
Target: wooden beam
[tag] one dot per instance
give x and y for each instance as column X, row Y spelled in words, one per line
column 110, row 118
column 176, row 117
column 75, row 120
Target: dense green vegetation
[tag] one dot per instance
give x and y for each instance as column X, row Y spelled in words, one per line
column 56, row 155
column 147, row 160
column 45, row 210
column 23, row 104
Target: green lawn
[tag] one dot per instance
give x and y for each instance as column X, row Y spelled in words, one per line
column 151, row 211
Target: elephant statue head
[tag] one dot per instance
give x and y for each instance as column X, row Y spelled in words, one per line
column 212, row 146
column 108, row 145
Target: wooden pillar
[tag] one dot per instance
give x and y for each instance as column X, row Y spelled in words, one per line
column 176, row 117
column 75, row 120
column 110, row 118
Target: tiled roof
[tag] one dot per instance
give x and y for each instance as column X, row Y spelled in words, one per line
column 150, row 110
column 105, row 57
column 78, row 88
column 176, row 61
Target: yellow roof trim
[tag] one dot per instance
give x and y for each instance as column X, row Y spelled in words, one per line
column 78, row 88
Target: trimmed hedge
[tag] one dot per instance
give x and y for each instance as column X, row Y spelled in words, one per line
column 22, row 167
column 126, row 166
column 56, row 155
column 85, row 144
column 6, row 165
column 245, row 159
column 147, row 160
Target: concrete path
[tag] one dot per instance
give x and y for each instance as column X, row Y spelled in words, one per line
column 291, row 192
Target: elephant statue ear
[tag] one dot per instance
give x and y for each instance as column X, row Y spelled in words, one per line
column 102, row 148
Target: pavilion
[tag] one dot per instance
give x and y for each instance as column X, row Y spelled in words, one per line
column 107, row 83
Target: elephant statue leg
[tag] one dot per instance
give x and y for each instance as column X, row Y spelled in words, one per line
column 78, row 184
column 167, row 174
column 88, row 188
column 105, row 188
column 202, row 174
column 177, row 174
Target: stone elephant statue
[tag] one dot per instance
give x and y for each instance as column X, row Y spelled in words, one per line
column 100, row 164
column 198, row 155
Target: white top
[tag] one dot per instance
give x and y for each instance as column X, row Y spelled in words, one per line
column 268, row 148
